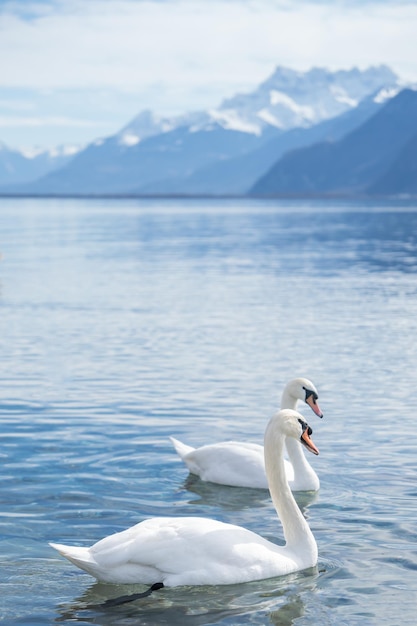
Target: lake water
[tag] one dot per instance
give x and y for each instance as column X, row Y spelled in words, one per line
column 126, row 321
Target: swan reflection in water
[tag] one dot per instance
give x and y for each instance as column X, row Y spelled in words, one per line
column 280, row 600
column 238, row 498
column 231, row 498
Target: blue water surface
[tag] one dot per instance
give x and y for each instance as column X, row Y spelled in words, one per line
column 126, row 321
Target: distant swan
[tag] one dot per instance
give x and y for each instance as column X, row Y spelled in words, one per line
column 241, row 464
column 198, row 551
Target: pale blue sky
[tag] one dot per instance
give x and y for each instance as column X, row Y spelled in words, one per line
column 76, row 70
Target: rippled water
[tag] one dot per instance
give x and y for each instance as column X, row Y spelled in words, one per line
column 124, row 322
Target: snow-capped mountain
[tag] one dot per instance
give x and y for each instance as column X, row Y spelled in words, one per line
column 287, row 99
column 24, row 166
column 303, row 99
column 159, row 154
column 146, row 124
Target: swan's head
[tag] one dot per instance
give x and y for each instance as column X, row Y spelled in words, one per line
column 293, row 424
column 304, row 390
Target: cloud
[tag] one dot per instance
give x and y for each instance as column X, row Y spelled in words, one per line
column 10, row 121
column 109, row 59
column 187, row 45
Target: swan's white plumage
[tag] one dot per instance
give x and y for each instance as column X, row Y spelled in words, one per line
column 199, row 551
column 233, row 463
column 207, row 550
column 241, row 464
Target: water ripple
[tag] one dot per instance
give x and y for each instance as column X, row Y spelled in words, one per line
column 127, row 322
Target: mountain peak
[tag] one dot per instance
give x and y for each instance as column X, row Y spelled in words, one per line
column 145, row 124
column 289, row 98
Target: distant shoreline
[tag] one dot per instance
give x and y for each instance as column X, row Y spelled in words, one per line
column 185, row 196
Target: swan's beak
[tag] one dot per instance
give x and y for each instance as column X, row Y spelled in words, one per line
column 307, row 442
column 312, row 403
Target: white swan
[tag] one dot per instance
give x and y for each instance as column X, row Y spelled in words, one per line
column 241, row 464
column 199, row 551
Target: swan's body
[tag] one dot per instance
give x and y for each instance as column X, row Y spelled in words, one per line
column 199, row 551
column 241, row 464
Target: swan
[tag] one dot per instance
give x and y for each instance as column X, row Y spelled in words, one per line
column 197, row 551
column 241, row 464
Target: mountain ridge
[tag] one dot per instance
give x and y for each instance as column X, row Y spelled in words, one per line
column 352, row 164
column 215, row 151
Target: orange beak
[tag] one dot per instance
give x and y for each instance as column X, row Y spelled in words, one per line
column 305, row 439
column 314, row 406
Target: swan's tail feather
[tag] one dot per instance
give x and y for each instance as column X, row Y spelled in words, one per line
column 81, row 557
column 181, row 448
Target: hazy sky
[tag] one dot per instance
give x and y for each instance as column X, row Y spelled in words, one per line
column 75, row 70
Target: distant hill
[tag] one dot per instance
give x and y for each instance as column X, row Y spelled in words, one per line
column 357, row 163
column 111, row 167
column 222, row 150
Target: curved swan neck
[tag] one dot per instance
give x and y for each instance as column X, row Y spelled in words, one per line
column 297, row 533
column 288, row 401
column 296, row 455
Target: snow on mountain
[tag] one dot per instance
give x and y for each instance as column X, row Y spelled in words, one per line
column 65, row 150
column 147, row 124
column 386, row 94
column 290, row 99
column 228, row 119
column 26, row 165
column 287, row 99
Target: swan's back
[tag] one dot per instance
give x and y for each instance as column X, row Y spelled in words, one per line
column 227, row 463
column 182, row 551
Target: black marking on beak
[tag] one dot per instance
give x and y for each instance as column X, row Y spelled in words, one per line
column 305, row 437
column 314, row 397
column 306, row 427
column 310, row 392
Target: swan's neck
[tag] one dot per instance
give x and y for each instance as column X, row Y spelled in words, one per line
column 296, row 455
column 297, row 533
column 301, row 466
column 288, row 401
